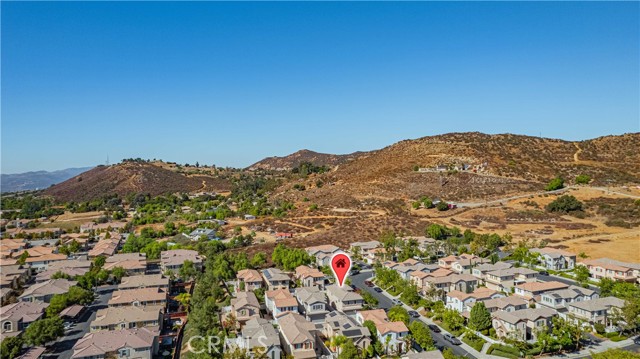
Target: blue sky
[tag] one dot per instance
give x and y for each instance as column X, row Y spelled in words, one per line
column 231, row 83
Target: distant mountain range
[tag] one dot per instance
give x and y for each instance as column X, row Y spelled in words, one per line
column 37, row 179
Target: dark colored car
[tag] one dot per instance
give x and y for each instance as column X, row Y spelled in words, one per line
column 451, row 339
column 368, row 283
column 355, row 271
column 378, row 289
column 414, row 314
column 637, row 340
column 544, row 272
column 434, row 328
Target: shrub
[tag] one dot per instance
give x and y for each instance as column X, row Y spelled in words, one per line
column 503, row 351
column 555, row 184
column 474, row 341
column 565, row 204
column 583, row 179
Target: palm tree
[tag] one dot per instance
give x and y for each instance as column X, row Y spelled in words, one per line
column 185, row 300
column 336, row 341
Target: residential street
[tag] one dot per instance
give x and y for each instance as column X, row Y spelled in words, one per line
column 63, row 347
column 384, row 302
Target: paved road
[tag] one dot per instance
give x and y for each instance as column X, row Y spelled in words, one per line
column 384, row 302
column 63, row 347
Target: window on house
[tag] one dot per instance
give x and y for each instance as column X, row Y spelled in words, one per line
column 7, row 326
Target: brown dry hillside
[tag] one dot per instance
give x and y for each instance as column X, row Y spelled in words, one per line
column 132, row 177
column 502, row 165
column 295, row 159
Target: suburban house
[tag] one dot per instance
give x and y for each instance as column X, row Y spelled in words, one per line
column 280, row 301
column 43, row 292
column 533, row 289
column 248, row 279
column 109, row 226
column 14, row 318
column 522, row 324
column 133, row 263
column 244, row 306
column 481, row 270
column 70, row 267
column 336, row 323
column 309, row 277
column 505, row 279
column 343, row 299
column 173, row 259
column 363, row 249
column 613, row 269
column 144, row 281
column 124, row 343
column 299, row 336
column 140, row 297
column 393, row 333
column 259, row 338
column 313, row 303
column 323, row 253
column 275, row 278
column 115, row 318
column 461, row 263
column 460, row 300
column 461, row 282
column 419, row 278
column 597, row 310
column 555, row 259
column 41, row 263
column 14, row 275
column 559, row 299
column 507, row 304
column 105, row 247
column 209, row 234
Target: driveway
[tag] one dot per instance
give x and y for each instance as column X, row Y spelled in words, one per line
column 384, row 302
column 63, row 347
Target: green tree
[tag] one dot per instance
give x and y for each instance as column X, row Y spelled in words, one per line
column 453, row 320
column 372, row 329
column 188, row 270
column 10, row 347
column 118, row 273
column 23, row 258
column 442, row 206
column 565, row 204
column 583, row 179
column 480, row 318
column 436, row 231
column 555, row 184
column 582, row 275
column 258, row 260
column 421, row 334
column 398, row 314
column 43, row 331
column 185, row 300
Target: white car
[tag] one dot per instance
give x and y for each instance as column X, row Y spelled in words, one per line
column 396, row 301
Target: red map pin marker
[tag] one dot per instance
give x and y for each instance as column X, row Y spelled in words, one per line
column 341, row 264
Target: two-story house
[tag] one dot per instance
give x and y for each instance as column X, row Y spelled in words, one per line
column 555, row 259
column 459, row 301
column 612, row 269
column 507, row 304
column 393, row 333
column 259, row 338
column 559, row 299
column 309, row 277
column 248, row 280
column 139, row 343
column 275, row 278
column 280, row 301
column 44, row 291
column 599, row 310
column 115, row 318
column 481, row 270
column 343, row 299
column 505, row 279
column 244, row 306
column 336, row 323
column 523, row 325
column 323, row 253
column 534, row 289
column 313, row 303
column 140, row 297
column 14, row 318
column 298, row 336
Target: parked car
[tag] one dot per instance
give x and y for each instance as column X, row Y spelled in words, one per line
column 414, row 314
column 396, row 301
column 544, row 272
column 434, row 328
column 67, row 326
column 378, row 289
column 637, row 340
column 368, row 283
column 355, row 271
column 451, row 339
